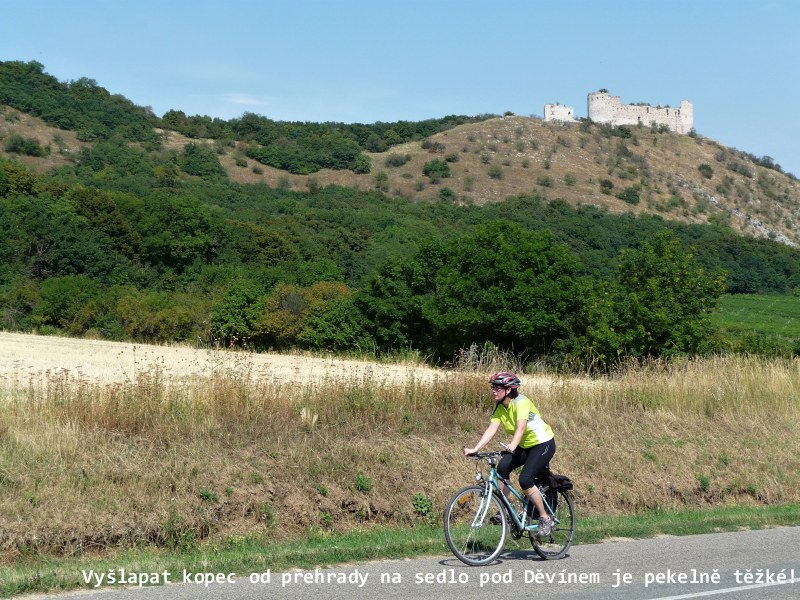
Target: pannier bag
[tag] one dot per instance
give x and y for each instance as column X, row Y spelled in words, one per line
column 560, row 482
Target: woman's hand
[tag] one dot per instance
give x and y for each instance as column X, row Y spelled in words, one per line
column 468, row 451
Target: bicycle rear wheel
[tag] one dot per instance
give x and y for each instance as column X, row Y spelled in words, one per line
column 474, row 536
column 556, row 544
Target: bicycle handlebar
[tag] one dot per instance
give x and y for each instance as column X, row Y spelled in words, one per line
column 479, row 455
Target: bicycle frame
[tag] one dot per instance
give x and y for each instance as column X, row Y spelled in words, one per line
column 493, row 483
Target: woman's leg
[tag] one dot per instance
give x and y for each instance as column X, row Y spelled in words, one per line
column 507, row 464
column 538, row 458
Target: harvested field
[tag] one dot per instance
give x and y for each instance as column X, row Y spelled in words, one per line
column 24, row 356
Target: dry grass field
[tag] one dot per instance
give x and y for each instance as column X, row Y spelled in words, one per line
column 31, row 358
column 114, row 445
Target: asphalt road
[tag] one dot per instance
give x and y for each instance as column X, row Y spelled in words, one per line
column 744, row 565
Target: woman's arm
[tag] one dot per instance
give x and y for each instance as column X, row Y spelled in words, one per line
column 485, row 438
column 521, row 425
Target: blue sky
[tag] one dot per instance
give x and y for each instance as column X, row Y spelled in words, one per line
column 737, row 61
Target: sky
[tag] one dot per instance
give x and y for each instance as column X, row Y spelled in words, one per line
column 362, row 61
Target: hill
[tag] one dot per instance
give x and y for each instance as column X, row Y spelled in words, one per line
column 642, row 171
column 689, row 179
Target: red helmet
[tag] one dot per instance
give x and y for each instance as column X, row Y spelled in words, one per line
column 505, row 379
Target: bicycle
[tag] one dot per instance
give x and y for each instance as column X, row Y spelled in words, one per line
column 479, row 517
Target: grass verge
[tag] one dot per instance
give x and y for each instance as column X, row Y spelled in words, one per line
column 250, row 555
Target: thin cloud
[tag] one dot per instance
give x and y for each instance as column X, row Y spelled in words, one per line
column 245, row 100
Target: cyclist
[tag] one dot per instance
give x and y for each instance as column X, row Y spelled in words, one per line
column 531, row 446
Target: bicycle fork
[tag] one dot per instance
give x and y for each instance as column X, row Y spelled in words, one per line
column 483, row 508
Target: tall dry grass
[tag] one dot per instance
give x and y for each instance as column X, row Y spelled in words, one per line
column 158, row 460
column 717, row 386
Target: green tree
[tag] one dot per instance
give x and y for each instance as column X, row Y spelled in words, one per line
column 288, row 313
column 201, row 161
column 336, row 326
column 16, row 179
column 50, row 239
column 658, row 304
column 233, row 317
column 102, row 212
column 179, row 231
column 393, row 298
column 63, row 298
column 516, row 289
column 706, row 170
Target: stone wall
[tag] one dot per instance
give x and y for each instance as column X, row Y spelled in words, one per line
column 604, row 108
column 557, row 112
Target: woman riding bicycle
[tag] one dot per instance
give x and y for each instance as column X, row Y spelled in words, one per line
column 532, row 444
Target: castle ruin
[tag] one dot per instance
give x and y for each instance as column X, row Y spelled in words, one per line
column 604, row 108
column 557, row 112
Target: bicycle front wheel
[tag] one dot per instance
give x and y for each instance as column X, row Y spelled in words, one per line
column 556, row 544
column 475, row 525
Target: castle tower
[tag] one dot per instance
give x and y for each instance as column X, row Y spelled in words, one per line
column 685, row 117
column 601, row 106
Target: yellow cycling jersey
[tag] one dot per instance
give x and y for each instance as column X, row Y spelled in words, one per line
column 522, row 409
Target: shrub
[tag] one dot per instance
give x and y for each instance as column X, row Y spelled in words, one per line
column 706, row 171
column 436, row 169
column 630, row 195
column 433, row 147
column 495, row 172
column 570, row 179
column 382, row 181
column 362, row 165
column 545, row 181
column 27, row 146
column 622, row 131
column 606, row 185
column 397, row 160
column 201, row 161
